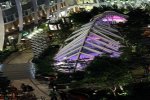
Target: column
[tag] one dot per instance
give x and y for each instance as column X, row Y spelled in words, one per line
column 97, row 3
column 47, row 3
column 35, row 7
column 66, row 8
column 20, row 16
column 2, row 30
column 58, row 8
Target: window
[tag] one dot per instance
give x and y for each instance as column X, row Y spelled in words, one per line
column 6, row 5
column 85, row 1
column 24, row 1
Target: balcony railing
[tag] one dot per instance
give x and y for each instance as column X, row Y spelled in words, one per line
column 28, row 12
column 27, row 6
column 40, row 2
column 9, row 11
column 10, row 18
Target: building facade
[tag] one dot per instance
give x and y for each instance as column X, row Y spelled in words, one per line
column 16, row 15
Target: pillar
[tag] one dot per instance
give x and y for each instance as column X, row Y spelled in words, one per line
column 35, row 7
column 20, row 16
column 2, row 30
column 47, row 3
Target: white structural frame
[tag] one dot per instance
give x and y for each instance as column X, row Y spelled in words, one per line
column 92, row 39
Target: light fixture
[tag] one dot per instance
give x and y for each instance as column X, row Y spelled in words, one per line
column 29, row 21
column 33, row 18
column 13, row 27
column 41, row 14
column 7, row 30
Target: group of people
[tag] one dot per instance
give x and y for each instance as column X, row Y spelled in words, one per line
column 26, row 88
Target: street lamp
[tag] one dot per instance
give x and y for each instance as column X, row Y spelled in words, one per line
column 11, row 41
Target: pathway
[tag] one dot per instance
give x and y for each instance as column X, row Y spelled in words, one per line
column 18, row 69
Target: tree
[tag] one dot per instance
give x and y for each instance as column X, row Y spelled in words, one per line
column 81, row 17
column 132, row 29
column 44, row 62
column 109, row 72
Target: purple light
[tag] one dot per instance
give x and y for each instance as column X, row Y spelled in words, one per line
column 114, row 18
column 73, row 58
column 80, row 51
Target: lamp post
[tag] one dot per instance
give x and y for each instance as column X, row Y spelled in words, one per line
column 11, row 41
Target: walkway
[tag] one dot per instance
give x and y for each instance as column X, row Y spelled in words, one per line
column 18, row 69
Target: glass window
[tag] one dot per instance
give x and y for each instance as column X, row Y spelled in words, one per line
column 24, row 1
column 6, row 5
column 8, row 18
column 25, row 13
column 85, row 1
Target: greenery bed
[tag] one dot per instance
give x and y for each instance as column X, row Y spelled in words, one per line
column 44, row 63
column 4, row 54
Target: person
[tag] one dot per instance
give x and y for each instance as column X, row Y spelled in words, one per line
column 63, row 95
column 23, row 87
column 54, row 98
column 53, row 95
column 29, row 88
column 51, row 83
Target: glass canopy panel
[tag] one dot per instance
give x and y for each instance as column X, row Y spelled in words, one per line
column 65, row 55
column 84, row 57
column 90, row 52
column 97, row 47
column 113, row 19
column 111, row 46
column 69, row 49
column 73, row 57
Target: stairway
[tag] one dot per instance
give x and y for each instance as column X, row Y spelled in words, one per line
column 18, row 71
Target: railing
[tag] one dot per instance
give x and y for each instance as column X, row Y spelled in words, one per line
column 10, row 18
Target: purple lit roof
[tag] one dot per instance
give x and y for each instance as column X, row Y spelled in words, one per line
column 93, row 39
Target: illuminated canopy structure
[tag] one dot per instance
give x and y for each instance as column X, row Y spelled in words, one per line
column 95, row 38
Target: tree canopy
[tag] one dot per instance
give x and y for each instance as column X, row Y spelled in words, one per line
column 109, row 71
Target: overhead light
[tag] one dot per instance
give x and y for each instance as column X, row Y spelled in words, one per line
column 33, row 18
column 29, row 21
column 7, row 30
column 13, row 27
column 41, row 14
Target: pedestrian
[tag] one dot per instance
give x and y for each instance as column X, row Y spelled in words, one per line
column 29, row 88
column 23, row 87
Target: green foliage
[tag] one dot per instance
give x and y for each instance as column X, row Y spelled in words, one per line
column 108, row 71
column 81, row 17
column 44, row 26
column 132, row 30
column 44, row 63
column 62, row 35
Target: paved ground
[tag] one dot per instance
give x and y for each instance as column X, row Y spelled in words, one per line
column 18, row 68
column 17, row 71
column 19, row 57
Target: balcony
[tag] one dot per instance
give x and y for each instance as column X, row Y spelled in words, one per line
column 1, row 1
column 40, row 2
column 10, row 18
column 27, row 6
column 9, row 11
column 28, row 12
